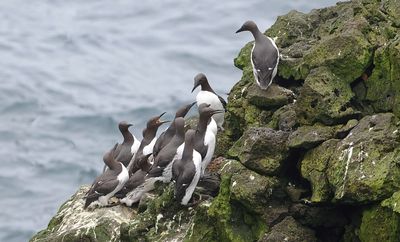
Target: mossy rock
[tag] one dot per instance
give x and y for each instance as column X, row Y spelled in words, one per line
column 249, row 188
column 324, row 98
column 290, row 230
column 233, row 221
column 73, row 223
column 284, row 119
column 393, row 202
column 274, row 97
column 379, row 224
column 308, row 137
column 366, row 164
column 262, row 149
column 314, row 167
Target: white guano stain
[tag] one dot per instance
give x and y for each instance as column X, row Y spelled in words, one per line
column 349, row 152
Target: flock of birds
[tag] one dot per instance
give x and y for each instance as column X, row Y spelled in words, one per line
column 133, row 167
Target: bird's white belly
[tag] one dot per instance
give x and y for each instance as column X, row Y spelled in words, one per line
column 209, row 141
column 148, row 149
column 212, row 126
column 274, row 72
column 122, row 179
column 212, row 99
column 135, row 146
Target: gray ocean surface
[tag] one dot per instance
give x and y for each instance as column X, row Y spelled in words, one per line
column 71, row 70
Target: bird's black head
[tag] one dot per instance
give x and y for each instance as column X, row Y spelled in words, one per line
column 181, row 112
column 200, row 80
column 206, row 111
column 124, row 126
column 248, row 26
column 179, row 124
column 156, row 122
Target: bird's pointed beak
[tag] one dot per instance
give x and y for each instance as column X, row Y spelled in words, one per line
column 165, row 121
column 239, row 30
column 196, row 84
column 191, row 105
column 129, row 125
column 162, row 114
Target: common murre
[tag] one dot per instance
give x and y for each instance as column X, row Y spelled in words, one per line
column 108, row 183
column 186, row 171
column 264, row 55
column 208, row 96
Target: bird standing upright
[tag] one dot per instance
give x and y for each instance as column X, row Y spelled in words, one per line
column 140, row 160
column 208, row 96
column 109, row 183
column 128, row 148
column 186, row 171
column 264, row 55
column 205, row 138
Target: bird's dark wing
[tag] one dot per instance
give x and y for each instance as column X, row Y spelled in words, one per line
column 176, row 168
column 183, row 181
column 155, row 171
column 222, row 101
column 265, row 58
column 100, row 188
column 124, row 156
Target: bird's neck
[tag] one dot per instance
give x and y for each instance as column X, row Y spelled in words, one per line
column 113, row 164
column 257, row 34
column 149, row 134
column 187, row 153
column 128, row 137
column 206, row 87
column 202, row 124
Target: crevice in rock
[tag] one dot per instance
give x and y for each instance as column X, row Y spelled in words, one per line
column 297, row 186
column 328, row 221
column 359, row 88
column 291, row 83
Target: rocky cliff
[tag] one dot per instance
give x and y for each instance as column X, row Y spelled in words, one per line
column 316, row 157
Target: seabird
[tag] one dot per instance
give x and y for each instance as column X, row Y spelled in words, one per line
column 135, row 180
column 167, row 135
column 108, row 183
column 207, row 95
column 128, row 148
column 205, row 138
column 264, row 55
column 186, row 171
column 163, row 161
column 161, row 169
column 140, row 160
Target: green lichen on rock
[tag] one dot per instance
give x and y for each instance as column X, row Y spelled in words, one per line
column 379, row 224
column 248, row 188
column 324, row 98
column 313, row 168
column 366, row 167
column 233, row 221
column 393, row 202
column 308, row 137
column 262, row 149
column 384, row 83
